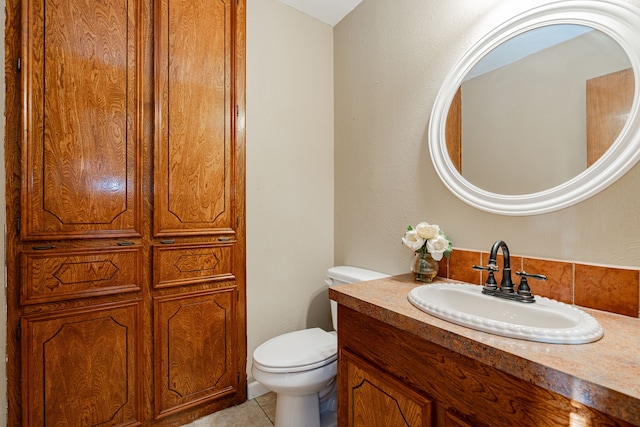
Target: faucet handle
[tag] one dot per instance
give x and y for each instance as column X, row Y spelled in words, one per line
column 490, row 286
column 524, row 275
column 490, row 267
column 523, row 289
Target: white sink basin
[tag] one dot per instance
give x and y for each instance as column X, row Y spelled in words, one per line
column 545, row 320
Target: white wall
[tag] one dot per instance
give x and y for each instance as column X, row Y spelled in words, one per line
column 390, row 61
column 289, row 170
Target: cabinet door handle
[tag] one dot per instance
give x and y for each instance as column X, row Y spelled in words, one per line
column 43, row 247
column 224, row 239
column 167, row 242
column 125, row 243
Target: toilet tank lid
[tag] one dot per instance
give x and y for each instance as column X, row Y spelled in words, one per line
column 349, row 274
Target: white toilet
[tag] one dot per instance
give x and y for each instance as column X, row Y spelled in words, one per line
column 301, row 366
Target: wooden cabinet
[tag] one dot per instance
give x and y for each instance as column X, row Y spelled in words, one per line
column 125, row 204
column 458, row 391
column 376, row 399
column 198, row 207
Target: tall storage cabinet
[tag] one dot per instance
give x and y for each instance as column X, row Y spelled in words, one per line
column 125, row 211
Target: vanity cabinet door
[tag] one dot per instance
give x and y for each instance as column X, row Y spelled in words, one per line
column 377, row 399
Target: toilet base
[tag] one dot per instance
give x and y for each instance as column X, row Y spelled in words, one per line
column 297, row 411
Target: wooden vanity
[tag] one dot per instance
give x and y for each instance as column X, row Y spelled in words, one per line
column 401, row 366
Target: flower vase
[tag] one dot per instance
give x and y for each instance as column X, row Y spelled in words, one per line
column 424, row 267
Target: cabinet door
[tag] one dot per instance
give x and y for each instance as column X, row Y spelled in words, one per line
column 82, row 367
column 81, row 171
column 377, row 399
column 194, row 173
column 195, row 349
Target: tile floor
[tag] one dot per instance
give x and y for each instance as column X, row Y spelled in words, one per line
column 258, row 412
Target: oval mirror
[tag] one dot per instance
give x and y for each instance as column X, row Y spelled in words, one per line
column 542, row 112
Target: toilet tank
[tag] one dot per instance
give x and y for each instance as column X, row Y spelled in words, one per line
column 344, row 274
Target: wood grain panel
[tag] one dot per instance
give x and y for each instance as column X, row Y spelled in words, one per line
column 477, row 393
column 177, row 265
column 609, row 100
column 85, row 368
column 453, row 131
column 81, row 119
column 376, row 399
column 57, row 275
column 193, row 118
column 195, row 349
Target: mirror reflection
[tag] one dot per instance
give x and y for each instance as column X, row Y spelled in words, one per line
column 539, row 109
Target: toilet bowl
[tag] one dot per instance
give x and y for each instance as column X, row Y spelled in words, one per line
column 298, row 367
column 301, row 366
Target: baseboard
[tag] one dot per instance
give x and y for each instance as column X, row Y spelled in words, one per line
column 255, row 389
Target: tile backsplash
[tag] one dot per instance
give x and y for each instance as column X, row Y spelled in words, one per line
column 606, row 288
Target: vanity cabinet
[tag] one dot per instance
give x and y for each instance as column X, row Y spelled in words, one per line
column 388, row 376
column 125, row 211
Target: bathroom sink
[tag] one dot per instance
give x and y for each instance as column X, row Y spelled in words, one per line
column 546, row 320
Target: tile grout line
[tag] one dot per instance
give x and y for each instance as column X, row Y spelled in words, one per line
column 263, row 411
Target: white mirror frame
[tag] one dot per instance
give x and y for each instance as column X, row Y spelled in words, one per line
column 620, row 21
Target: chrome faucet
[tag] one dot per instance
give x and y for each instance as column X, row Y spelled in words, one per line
column 506, row 289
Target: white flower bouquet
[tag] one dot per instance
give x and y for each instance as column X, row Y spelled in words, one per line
column 428, row 238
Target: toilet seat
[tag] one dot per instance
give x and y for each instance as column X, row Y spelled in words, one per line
column 297, row 351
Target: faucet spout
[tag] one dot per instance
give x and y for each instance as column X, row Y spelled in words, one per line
column 506, row 284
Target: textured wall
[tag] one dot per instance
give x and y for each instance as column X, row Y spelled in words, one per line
column 390, row 60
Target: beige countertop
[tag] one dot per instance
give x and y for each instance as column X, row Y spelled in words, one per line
column 604, row 375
